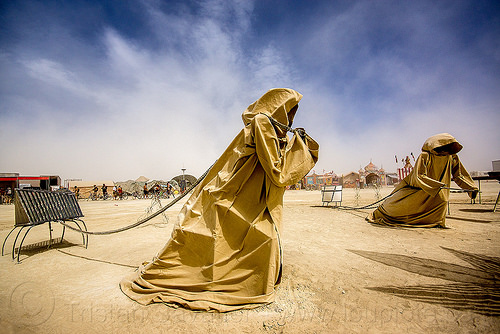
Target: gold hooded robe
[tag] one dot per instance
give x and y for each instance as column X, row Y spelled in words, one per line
column 419, row 200
column 225, row 252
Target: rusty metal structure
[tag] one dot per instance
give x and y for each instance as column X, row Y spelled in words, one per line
column 36, row 207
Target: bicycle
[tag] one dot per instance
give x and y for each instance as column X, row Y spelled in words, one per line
column 93, row 197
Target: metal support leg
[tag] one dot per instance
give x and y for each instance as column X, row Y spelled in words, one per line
column 50, row 235
column 81, row 231
column 496, row 202
column 479, row 189
column 62, row 235
column 7, row 237
column 15, row 240
column 85, row 237
column 22, row 240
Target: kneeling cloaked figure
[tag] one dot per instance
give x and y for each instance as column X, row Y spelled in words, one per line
column 225, row 252
column 419, row 199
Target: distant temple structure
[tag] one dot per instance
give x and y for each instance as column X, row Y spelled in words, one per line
column 373, row 175
column 368, row 176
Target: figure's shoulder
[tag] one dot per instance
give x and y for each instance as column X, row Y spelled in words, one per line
column 424, row 156
column 261, row 120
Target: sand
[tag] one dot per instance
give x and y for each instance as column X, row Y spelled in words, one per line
column 341, row 274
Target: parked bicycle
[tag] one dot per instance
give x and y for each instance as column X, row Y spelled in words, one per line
column 95, row 197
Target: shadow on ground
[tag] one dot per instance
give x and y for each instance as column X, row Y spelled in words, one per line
column 472, row 220
column 475, row 289
column 477, row 210
column 37, row 248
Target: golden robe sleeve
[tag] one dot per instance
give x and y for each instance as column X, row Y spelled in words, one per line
column 461, row 176
column 420, row 179
column 284, row 167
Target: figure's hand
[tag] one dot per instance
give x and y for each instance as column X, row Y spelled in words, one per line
column 473, row 195
column 301, row 132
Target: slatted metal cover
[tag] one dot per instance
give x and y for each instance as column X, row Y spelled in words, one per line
column 331, row 194
column 34, row 207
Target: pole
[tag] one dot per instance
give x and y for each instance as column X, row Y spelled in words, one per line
column 183, row 180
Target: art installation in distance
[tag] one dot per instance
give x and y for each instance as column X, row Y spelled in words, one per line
column 225, row 252
column 421, row 198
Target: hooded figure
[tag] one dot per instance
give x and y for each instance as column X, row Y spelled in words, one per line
column 225, row 252
column 419, row 200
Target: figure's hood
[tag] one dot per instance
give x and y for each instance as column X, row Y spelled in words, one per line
column 277, row 103
column 440, row 140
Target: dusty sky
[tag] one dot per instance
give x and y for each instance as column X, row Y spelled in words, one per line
column 117, row 89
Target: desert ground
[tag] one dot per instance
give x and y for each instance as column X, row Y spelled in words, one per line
column 341, row 274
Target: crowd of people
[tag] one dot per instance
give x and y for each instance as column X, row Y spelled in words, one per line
column 6, row 195
column 163, row 191
column 94, row 195
column 159, row 191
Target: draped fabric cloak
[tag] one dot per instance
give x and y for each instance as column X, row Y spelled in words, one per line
column 225, row 252
column 418, row 200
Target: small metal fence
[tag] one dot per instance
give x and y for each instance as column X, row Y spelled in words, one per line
column 36, row 207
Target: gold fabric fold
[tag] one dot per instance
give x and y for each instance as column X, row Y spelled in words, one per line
column 224, row 253
column 419, row 200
